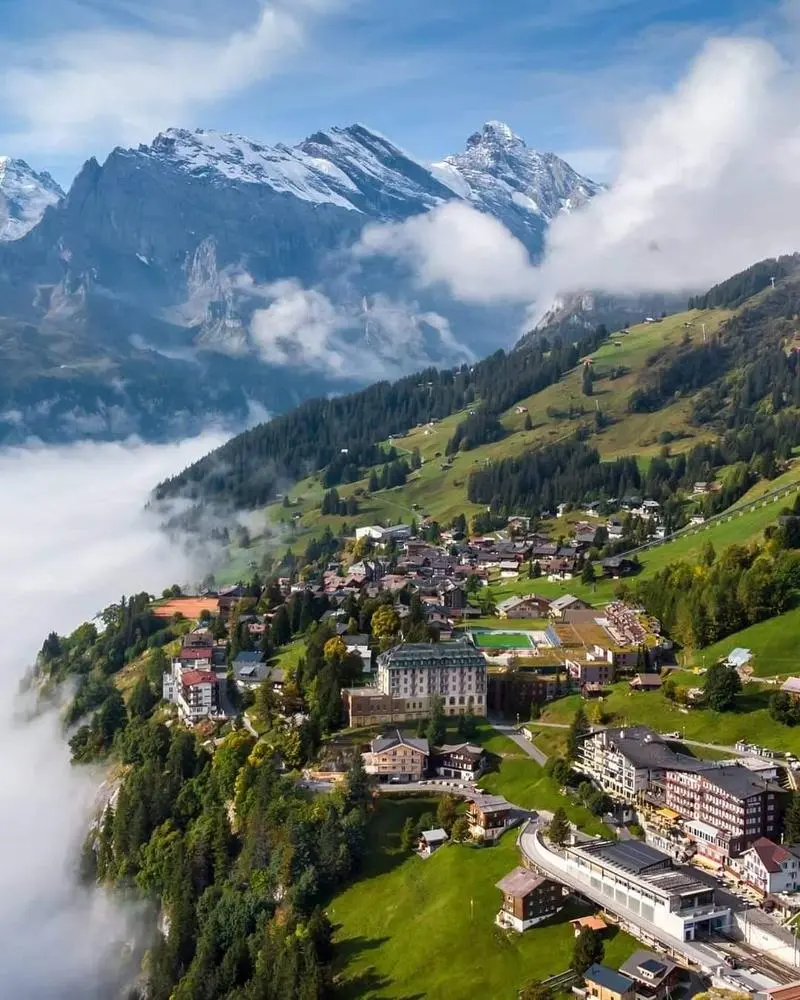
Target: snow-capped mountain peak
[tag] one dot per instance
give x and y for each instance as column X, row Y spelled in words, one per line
column 225, row 156
column 24, row 196
column 501, row 175
column 352, row 168
column 494, row 134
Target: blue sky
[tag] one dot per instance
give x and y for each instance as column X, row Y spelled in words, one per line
column 80, row 76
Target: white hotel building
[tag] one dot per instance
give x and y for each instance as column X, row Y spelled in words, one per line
column 453, row 671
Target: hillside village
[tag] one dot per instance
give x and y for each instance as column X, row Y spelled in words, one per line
column 420, row 655
column 557, row 693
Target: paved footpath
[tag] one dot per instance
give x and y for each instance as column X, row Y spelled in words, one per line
column 514, row 734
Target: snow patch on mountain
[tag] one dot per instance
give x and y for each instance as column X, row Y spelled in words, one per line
column 205, row 153
column 24, row 196
column 350, row 168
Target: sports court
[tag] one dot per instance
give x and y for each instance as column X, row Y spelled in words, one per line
column 491, row 639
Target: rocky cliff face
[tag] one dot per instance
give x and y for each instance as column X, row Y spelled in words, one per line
column 205, row 272
column 24, row 197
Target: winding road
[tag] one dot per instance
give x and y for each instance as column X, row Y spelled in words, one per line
column 692, row 743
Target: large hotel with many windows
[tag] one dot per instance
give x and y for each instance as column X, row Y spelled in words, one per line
column 412, row 674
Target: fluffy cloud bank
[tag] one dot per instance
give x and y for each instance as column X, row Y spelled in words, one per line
column 707, row 184
column 469, row 252
column 74, row 537
column 378, row 338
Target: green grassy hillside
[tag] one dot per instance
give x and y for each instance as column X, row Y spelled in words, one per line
column 438, row 489
column 412, row 928
column 750, row 721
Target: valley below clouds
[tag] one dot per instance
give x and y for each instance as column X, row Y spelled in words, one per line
column 74, row 537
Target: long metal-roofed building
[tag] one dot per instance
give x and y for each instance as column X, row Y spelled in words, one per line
column 647, row 883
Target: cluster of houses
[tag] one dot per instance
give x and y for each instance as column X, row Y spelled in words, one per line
column 646, row 975
column 440, row 572
column 399, row 759
column 583, row 649
column 197, row 676
column 726, row 816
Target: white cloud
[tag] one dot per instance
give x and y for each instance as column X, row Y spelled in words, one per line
column 707, row 182
column 74, row 538
column 377, row 338
column 109, row 85
column 298, row 327
column 469, row 252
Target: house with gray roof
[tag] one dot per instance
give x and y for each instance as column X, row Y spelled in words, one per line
column 249, row 668
column 654, row 975
column 567, row 602
column 603, row 983
column 627, row 760
column 397, row 758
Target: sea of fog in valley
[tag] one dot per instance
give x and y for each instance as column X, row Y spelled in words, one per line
column 74, row 536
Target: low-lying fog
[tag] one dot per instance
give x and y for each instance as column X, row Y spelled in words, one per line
column 73, row 538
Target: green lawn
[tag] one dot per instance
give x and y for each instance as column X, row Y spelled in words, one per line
column 424, row 930
column 750, row 721
column 774, row 643
column 522, row 781
column 743, row 527
column 288, row 658
column 553, row 742
column 598, row 593
column 489, row 738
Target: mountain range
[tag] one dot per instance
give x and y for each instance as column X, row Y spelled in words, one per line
column 209, row 276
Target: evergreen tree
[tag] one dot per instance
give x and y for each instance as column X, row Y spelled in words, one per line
column 143, row 699
column 559, row 829
column 437, row 725
column 357, row 784
column 587, row 950
column 587, row 573
column 721, row 687
column 446, row 812
column 281, row 629
column 460, row 831
column 408, row 834
column 791, row 821
column 579, row 727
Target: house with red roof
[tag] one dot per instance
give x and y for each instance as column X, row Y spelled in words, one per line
column 195, row 691
column 196, row 656
column 199, row 694
column 769, row 867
